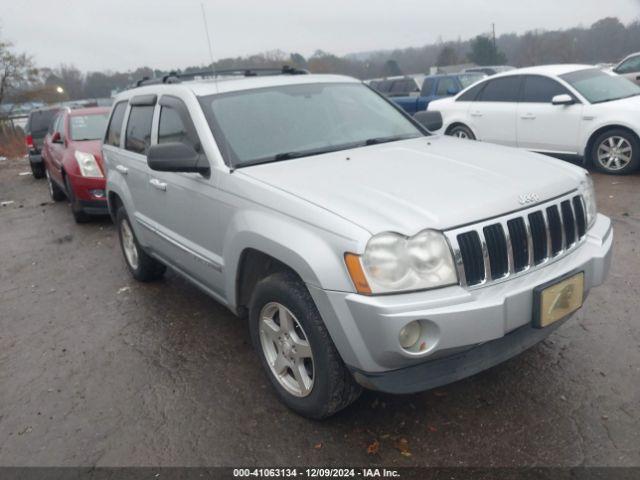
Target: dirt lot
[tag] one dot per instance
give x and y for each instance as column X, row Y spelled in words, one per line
column 96, row 369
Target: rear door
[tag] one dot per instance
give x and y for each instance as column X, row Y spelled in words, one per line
column 492, row 116
column 543, row 126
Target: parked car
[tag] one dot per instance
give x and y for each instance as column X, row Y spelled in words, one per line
column 489, row 70
column 629, row 68
column 567, row 110
column 397, row 86
column 363, row 251
column 36, row 129
column 73, row 160
column 437, row 86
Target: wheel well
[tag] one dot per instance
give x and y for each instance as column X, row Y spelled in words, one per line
column 600, row 131
column 454, row 125
column 253, row 266
column 114, row 203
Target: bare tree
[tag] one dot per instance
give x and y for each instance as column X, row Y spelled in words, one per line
column 16, row 70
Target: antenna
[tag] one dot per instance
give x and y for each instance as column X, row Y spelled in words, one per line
column 206, row 30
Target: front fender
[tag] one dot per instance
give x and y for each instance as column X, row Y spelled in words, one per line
column 314, row 254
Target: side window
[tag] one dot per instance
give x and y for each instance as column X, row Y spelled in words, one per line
column 445, row 85
column 427, row 87
column 504, row 89
column 173, row 129
column 138, row 137
column 112, row 136
column 471, row 95
column 538, row 89
column 630, row 66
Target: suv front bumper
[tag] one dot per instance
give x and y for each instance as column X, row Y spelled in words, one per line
column 468, row 330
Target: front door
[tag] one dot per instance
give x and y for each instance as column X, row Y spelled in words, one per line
column 543, row 126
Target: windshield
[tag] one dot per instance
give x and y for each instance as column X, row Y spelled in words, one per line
column 467, row 79
column 284, row 122
column 88, row 127
column 597, row 86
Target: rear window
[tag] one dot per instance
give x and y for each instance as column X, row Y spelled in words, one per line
column 87, row 127
column 138, row 137
column 40, row 120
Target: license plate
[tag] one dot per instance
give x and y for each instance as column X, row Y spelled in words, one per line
column 555, row 301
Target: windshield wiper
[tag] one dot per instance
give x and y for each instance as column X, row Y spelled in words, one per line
column 396, row 138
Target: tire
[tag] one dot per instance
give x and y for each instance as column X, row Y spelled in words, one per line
column 616, row 152
column 56, row 193
column 78, row 215
column 461, row 131
column 329, row 386
column 142, row 266
column 38, row 170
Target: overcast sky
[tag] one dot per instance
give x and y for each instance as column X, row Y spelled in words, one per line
column 125, row 34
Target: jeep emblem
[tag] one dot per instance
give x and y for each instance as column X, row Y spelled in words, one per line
column 528, row 198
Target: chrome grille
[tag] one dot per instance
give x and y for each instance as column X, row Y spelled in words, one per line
column 511, row 245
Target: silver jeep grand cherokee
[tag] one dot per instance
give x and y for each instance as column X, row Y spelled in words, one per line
column 364, row 251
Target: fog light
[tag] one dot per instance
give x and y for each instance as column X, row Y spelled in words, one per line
column 97, row 193
column 410, row 334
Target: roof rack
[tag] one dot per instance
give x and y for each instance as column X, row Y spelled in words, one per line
column 174, row 77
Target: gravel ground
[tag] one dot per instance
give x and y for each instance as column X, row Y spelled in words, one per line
column 96, row 369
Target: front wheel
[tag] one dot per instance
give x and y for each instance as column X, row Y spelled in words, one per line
column 461, row 131
column 296, row 350
column 616, row 152
column 78, row 214
column 142, row 266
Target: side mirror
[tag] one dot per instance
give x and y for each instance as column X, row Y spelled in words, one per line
column 430, row 120
column 564, row 99
column 56, row 138
column 176, row 157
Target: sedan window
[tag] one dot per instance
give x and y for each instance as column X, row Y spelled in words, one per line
column 538, row 89
column 505, row 89
column 629, row 66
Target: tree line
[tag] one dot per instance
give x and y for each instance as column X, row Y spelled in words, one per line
column 607, row 40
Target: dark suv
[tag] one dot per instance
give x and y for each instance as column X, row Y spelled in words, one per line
column 36, row 130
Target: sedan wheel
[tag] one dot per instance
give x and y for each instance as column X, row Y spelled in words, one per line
column 286, row 349
column 614, row 153
column 462, row 132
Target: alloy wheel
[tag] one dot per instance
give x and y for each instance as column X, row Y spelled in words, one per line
column 286, row 348
column 128, row 244
column 614, row 153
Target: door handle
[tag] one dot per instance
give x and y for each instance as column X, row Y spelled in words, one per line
column 158, row 184
column 122, row 169
column 528, row 116
column 476, row 114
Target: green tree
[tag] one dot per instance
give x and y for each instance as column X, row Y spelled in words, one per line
column 483, row 52
column 447, row 56
column 391, row 69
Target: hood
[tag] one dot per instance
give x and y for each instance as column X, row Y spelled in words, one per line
column 631, row 104
column 429, row 182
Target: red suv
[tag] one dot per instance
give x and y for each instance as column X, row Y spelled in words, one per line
column 73, row 161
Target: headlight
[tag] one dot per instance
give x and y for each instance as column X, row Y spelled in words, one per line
column 589, row 196
column 88, row 165
column 395, row 263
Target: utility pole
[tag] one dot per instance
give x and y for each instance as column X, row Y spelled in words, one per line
column 493, row 30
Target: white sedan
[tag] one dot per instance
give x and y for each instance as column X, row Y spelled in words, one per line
column 565, row 110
